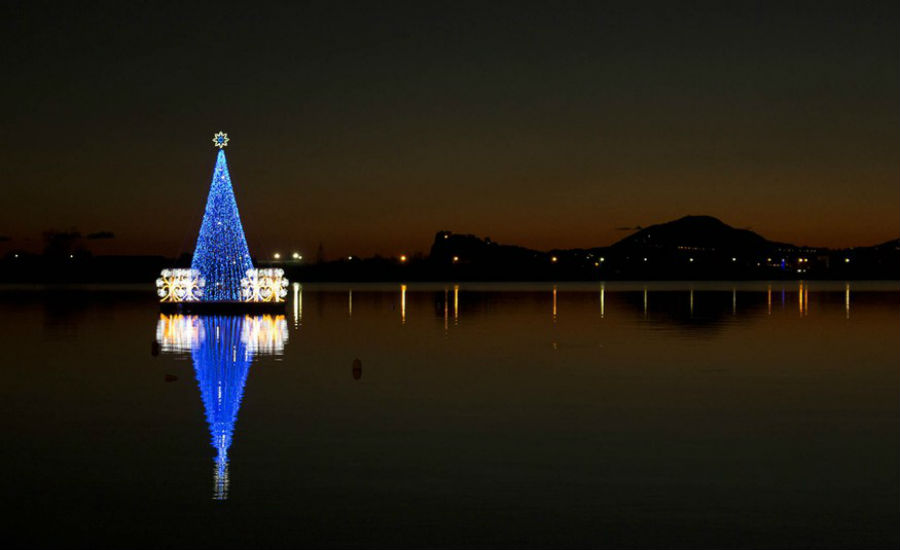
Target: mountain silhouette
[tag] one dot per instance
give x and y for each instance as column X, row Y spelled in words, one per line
column 689, row 248
column 702, row 233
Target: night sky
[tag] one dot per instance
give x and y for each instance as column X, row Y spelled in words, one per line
column 368, row 127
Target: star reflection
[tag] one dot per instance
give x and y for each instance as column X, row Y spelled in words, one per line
column 222, row 349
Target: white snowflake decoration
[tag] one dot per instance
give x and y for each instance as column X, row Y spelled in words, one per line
column 180, row 285
column 264, row 285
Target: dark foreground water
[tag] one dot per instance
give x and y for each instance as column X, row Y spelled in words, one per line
column 672, row 415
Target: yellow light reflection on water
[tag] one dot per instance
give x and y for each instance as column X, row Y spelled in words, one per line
column 446, row 308
column 298, row 304
column 803, row 299
column 847, row 301
column 177, row 332
column 554, row 303
column 645, row 302
column 692, row 302
column 264, row 334
column 602, row 301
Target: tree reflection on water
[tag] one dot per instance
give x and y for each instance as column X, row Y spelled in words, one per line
column 222, row 349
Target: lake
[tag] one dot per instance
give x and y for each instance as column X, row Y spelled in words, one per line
column 728, row 415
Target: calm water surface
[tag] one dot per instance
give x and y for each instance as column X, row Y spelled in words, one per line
column 714, row 414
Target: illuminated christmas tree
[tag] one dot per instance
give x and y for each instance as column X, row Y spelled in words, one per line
column 221, row 255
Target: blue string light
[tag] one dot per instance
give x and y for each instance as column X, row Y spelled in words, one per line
column 221, row 364
column 222, row 349
column 221, row 255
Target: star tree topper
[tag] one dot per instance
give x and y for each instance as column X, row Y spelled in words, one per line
column 220, row 139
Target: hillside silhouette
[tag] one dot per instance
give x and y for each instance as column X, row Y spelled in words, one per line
column 699, row 232
column 692, row 247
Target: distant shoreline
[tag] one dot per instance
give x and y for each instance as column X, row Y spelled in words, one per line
column 692, row 248
column 501, row 286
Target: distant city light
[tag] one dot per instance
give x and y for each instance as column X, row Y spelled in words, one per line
column 455, row 259
column 402, row 257
column 734, row 259
column 15, row 255
column 691, row 260
column 602, row 259
column 446, row 236
column 71, row 255
column 846, row 260
column 553, row 259
column 296, row 256
column 277, row 256
column 596, row 264
column 349, row 257
column 645, row 259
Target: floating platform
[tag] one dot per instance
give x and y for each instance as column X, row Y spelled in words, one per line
column 223, row 308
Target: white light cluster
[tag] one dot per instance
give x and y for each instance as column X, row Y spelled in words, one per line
column 180, row 285
column 265, row 335
column 261, row 334
column 178, row 333
column 264, row 285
